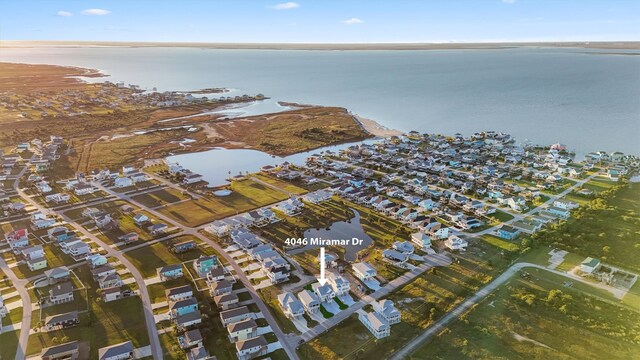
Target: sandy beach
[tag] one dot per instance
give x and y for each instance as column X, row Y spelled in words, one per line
column 374, row 128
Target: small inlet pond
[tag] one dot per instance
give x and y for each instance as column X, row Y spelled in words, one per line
column 219, row 164
column 342, row 230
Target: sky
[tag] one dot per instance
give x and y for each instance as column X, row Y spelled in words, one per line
column 321, row 21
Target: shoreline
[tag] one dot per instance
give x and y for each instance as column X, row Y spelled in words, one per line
column 375, row 128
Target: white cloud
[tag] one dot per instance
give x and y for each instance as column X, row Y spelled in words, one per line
column 353, row 21
column 96, row 12
column 509, row 1
column 286, row 6
column 64, row 13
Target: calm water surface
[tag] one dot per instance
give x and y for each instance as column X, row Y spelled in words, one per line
column 218, row 164
column 588, row 99
column 343, row 230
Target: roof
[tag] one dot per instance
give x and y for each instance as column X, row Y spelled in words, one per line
column 184, row 303
column 287, row 299
column 178, row 290
column 591, row 262
column 509, row 229
column 54, row 319
column 59, row 349
column 364, row 268
column 251, row 343
column 228, row 314
column 101, row 269
column 113, row 350
column 307, row 297
column 55, row 272
column 193, row 335
column 61, row 289
column 225, row 298
column 171, row 268
column 377, row 321
column 189, row 317
column 222, row 284
column 323, row 290
column 241, row 325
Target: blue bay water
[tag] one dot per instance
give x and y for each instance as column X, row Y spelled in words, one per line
column 587, row 99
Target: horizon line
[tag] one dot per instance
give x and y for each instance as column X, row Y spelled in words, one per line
column 487, row 45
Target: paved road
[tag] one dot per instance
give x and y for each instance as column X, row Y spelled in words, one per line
column 21, row 287
column 432, row 260
column 552, row 198
column 459, row 310
column 156, row 349
column 150, row 321
column 290, row 350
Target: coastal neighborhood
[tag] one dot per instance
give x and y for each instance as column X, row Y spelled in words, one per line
column 320, row 180
column 169, row 266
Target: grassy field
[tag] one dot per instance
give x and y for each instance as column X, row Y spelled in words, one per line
column 286, row 186
column 55, row 258
column 9, row 341
column 501, row 243
column 599, row 184
column 107, row 324
column 539, row 320
column 247, row 195
column 421, row 302
column 147, row 259
column 109, row 206
column 606, row 228
column 293, row 131
column 501, row 216
column 159, row 197
column 312, row 216
column 383, row 231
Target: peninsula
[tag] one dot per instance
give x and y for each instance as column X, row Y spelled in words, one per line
column 113, row 124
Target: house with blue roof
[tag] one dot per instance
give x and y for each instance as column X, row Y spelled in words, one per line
column 183, row 307
column 507, row 232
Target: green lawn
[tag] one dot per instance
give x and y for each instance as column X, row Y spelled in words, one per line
column 110, row 207
column 508, row 245
column 171, row 347
column 269, row 295
column 246, row 195
column 599, row 184
column 108, row 323
column 501, row 216
column 382, row 230
column 55, row 258
column 159, row 197
column 147, row 259
column 312, row 216
column 421, row 301
column 540, row 319
column 9, row 341
column 606, row 228
column 286, row 186
column 156, row 291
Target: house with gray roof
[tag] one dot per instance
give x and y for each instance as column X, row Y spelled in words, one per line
column 121, row 351
column 290, row 305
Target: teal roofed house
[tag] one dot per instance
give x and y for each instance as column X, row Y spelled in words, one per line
column 170, row 272
column 204, row 264
column 183, row 307
column 590, row 265
column 508, row 232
